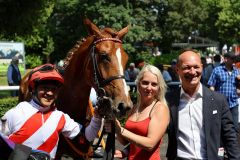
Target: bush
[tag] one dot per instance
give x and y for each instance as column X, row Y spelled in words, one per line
column 33, row 61
column 7, row 103
column 166, row 58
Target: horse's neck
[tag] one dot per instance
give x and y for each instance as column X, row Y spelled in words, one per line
column 74, row 101
column 75, row 94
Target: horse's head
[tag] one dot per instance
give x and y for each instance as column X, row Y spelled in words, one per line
column 108, row 61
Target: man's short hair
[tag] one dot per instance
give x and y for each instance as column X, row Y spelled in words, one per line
column 15, row 60
column 229, row 55
column 132, row 65
column 217, row 58
column 173, row 62
column 187, row 49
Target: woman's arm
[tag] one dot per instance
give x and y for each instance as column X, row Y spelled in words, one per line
column 156, row 130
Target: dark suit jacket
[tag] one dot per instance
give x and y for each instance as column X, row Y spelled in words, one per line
column 13, row 75
column 219, row 129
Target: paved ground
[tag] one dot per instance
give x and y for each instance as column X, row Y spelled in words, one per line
column 163, row 148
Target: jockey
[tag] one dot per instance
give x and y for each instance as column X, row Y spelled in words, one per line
column 37, row 123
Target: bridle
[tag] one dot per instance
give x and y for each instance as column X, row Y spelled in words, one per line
column 99, row 81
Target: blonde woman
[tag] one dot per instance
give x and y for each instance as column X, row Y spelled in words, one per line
column 148, row 120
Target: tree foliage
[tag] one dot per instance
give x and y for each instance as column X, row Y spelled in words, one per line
column 179, row 19
column 50, row 28
column 26, row 21
column 228, row 21
column 222, row 23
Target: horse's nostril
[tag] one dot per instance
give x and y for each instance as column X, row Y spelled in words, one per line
column 128, row 108
column 120, row 106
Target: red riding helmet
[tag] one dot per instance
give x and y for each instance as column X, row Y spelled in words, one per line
column 44, row 72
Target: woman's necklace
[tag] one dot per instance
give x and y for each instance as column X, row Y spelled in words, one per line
column 138, row 113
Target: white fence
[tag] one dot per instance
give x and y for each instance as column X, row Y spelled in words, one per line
column 7, row 88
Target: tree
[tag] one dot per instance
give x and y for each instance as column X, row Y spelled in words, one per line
column 228, row 21
column 178, row 19
column 26, row 21
column 222, row 23
column 21, row 17
column 66, row 22
column 49, row 48
column 51, row 28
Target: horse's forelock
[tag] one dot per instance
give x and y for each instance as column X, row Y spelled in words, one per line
column 110, row 31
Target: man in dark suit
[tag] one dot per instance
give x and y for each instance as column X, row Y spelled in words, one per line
column 201, row 123
column 14, row 75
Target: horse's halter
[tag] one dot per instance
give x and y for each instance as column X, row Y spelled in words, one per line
column 99, row 80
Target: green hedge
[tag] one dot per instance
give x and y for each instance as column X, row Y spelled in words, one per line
column 7, row 103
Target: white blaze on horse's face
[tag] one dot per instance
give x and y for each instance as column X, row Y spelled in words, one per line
column 119, row 57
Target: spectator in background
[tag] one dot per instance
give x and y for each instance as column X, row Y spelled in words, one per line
column 166, row 76
column 14, row 75
column 172, row 71
column 223, row 80
column 204, row 65
column 132, row 72
column 237, row 65
column 209, row 59
column 207, row 71
column 126, row 76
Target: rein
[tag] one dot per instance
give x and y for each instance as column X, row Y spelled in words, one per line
column 100, row 83
column 98, row 79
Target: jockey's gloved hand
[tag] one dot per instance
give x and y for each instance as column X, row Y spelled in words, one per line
column 104, row 106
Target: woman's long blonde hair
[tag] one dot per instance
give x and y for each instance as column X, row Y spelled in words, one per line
column 161, row 83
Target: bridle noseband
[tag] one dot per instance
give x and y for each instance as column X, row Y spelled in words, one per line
column 99, row 80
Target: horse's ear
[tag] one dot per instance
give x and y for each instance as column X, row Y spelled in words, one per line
column 92, row 28
column 122, row 32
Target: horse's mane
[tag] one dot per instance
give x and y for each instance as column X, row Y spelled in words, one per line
column 73, row 51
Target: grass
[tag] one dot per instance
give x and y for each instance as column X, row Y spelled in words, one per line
column 5, row 94
column 3, row 82
column 3, row 73
column 3, row 79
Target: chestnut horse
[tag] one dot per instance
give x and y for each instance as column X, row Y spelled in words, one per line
column 98, row 62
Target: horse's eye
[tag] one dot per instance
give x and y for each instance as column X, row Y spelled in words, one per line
column 104, row 57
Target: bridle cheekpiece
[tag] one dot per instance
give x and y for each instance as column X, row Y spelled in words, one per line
column 98, row 79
